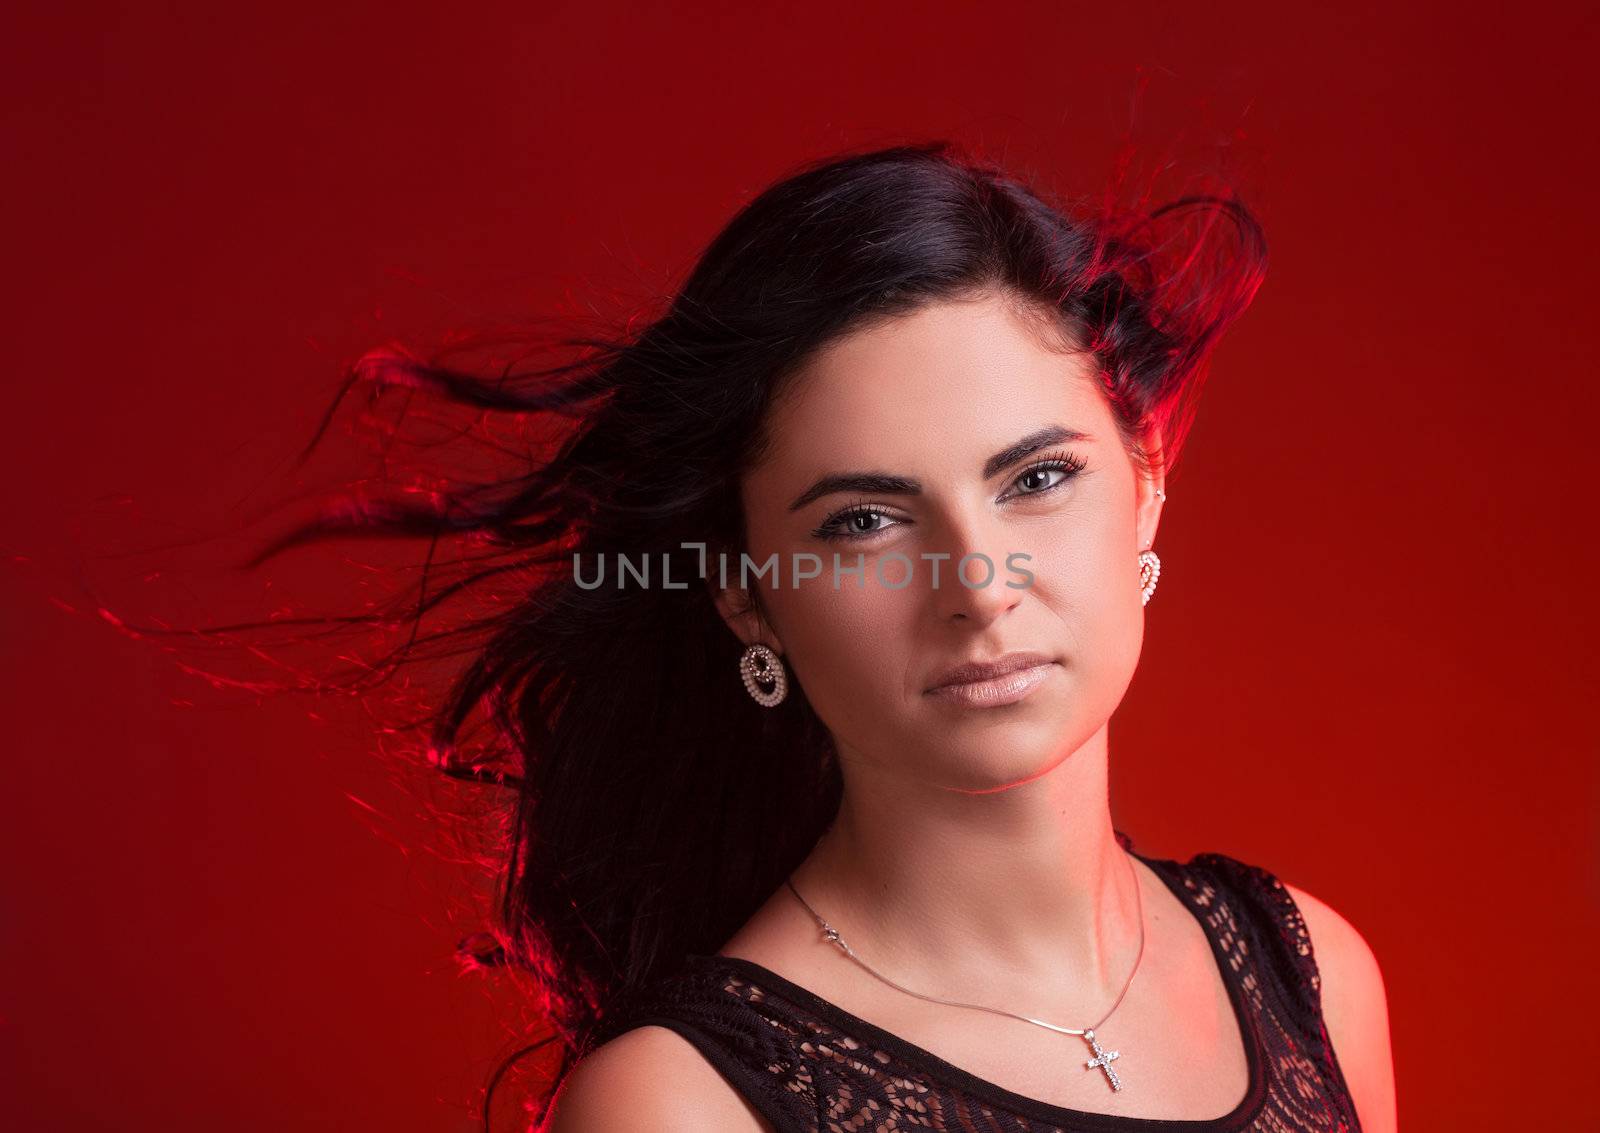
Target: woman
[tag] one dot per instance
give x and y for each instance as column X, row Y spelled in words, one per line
column 813, row 828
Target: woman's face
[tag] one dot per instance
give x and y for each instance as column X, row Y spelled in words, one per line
column 929, row 406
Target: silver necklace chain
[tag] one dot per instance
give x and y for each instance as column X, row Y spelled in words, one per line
column 1102, row 1058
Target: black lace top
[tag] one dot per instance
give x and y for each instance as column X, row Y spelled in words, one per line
column 810, row 1066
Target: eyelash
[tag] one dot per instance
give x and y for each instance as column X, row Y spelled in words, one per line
column 831, row 528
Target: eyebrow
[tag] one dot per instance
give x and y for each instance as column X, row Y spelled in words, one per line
column 886, row 483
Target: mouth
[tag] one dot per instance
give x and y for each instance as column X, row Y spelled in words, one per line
column 1008, row 688
column 1004, row 680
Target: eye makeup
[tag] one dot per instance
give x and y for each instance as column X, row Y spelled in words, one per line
column 832, row 529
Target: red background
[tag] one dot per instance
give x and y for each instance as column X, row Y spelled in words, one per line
column 1368, row 667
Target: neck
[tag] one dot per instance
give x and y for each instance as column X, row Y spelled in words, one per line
column 998, row 895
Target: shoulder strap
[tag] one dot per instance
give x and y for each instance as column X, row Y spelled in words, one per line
column 1260, row 930
column 754, row 1043
column 1277, row 934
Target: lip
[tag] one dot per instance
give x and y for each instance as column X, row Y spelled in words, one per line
column 1007, row 688
column 981, row 672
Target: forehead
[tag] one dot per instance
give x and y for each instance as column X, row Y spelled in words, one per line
column 950, row 380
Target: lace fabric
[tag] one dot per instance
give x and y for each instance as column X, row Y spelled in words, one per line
column 808, row 1065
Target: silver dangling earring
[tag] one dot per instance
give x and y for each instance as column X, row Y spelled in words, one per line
column 1149, row 571
column 1150, row 564
column 759, row 664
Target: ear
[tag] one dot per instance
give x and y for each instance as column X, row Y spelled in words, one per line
column 738, row 608
column 1147, row 514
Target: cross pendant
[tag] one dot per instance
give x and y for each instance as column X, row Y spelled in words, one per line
column 1102, row 1058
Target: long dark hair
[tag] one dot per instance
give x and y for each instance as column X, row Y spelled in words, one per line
column 654, row 805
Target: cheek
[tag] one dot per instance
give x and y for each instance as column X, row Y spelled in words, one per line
column 851, row 627
column 1088, row 577
column 845, row 645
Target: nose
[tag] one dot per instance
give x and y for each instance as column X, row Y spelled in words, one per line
column 971, row 584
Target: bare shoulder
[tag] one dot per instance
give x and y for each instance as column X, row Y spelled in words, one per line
column 1355, row 1008
column 649, row 1080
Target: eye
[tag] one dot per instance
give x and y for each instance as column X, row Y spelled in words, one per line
column 844, row 525
column 1038, row 474
column 841, row 525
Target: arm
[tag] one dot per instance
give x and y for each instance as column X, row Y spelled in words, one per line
column 649, row 1080
column 1355, row 1009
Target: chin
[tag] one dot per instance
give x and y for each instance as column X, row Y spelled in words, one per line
column 1009, row 757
